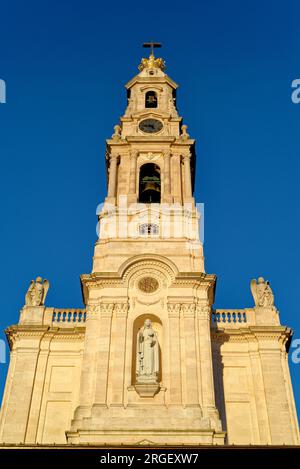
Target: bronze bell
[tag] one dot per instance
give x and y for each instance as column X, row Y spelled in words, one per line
column 151, row 186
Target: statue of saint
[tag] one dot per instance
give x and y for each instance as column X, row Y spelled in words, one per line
column 262, row 293
column 147, row 356
column 36, row 293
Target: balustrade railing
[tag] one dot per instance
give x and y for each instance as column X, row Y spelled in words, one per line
column 232, row 317
column 69, row 316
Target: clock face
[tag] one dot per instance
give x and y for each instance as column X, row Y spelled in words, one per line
column 150, row 126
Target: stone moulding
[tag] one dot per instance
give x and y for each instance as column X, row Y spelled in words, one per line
column 14, row 333
column 257, row 334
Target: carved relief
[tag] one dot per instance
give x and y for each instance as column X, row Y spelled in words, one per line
column 203, row 312
column 188, row 310
column 121, row 309
column 148, row 284
column 92, row 312
column 174, row 310
column 106, row 310
column 155, row 267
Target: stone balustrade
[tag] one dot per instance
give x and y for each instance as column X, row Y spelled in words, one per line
column 233, row 318
column 67, row 317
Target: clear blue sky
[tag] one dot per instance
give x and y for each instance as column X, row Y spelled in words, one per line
column 65, row 64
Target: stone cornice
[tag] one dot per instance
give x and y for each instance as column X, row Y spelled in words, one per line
column 112, row 278
column 17, row 332
column 257, row 334
column 162, row 79
column 99, row 280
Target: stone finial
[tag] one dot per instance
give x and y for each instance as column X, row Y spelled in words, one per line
column 37, row 292
column 117, row 132
column 184, row 135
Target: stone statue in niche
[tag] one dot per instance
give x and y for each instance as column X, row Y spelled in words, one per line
column 262, row 293
column 37, row 292
column 147, row 355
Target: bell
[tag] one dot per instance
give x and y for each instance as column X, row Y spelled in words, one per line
column 150, row 186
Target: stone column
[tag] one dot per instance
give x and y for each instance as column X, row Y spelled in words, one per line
column 207, row 380
column 106, row 312
column 112, row 180
column 175, row 390
column 132, row 176
column 167, row 177
column 176, row 178
column 187, row 176
column 190, row 358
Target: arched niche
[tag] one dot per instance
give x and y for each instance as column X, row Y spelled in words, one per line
column 158, row 327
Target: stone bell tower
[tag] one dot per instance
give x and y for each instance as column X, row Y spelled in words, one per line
column 148, row 266
column 148, row 361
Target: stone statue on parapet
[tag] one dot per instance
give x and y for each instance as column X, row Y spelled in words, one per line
column 262, row 293
column 37, row 292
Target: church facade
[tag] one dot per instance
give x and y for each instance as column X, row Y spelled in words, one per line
column 149, row 361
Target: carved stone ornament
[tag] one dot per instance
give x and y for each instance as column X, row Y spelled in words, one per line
column 148, row 284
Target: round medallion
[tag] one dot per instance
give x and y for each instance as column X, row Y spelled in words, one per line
column 148, row 284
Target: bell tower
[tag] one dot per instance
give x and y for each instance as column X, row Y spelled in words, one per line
column 148, row 360
column 151, row 132
column 150, row 161
column 147, row 364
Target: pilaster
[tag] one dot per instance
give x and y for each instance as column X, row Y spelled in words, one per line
column 118, row 353
column 104, row 343
column 16, row 409
column 191, row 371
column 175, row 392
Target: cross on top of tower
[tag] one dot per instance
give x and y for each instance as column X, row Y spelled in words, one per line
column 152, row 45
column 152, row 62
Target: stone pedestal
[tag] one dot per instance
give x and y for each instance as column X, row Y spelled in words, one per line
column 146, row 386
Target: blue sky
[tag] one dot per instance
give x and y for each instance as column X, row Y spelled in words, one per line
column 65, row 65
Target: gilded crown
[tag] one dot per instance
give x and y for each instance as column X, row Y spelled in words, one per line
column 152, row 62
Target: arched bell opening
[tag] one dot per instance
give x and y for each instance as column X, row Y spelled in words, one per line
column 150, row 99
column 150, row 184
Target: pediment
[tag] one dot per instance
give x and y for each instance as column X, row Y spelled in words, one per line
column 146, row 443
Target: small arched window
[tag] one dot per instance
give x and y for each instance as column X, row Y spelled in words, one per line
column 150, row 99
